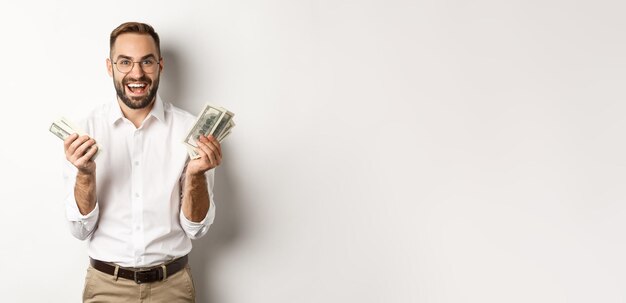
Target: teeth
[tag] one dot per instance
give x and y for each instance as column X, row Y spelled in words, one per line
column 136, row 85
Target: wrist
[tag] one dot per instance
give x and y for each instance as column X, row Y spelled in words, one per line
column 86, row 174
column 194, row 175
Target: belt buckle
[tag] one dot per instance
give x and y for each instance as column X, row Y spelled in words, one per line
column 139, row 276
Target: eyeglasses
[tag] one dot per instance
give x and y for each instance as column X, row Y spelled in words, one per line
column 148, row 66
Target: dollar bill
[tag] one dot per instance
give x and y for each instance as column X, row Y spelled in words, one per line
column 192, row 152
column 213, row 120
column 205, row 124
column 220, row 139
column 63, row 128
column 222, row 125
column 59, row 131
column 226, row 131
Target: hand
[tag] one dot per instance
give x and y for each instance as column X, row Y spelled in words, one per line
column 210, row 152
column 79, row 150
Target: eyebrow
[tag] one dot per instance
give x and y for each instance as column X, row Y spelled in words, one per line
column 131, row 58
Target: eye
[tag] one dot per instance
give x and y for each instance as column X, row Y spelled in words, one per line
column 147, row 62
column 124, row 62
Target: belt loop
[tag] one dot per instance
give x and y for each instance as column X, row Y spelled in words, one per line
column 117, row 268
column 164, row 272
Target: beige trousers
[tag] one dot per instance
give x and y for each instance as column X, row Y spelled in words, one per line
column 104, row 288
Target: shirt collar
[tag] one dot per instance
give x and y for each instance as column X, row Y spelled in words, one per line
column 157, row 111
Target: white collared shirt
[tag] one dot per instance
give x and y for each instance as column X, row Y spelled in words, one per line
column 138, row 220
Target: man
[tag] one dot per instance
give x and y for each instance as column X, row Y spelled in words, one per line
column 142, row 200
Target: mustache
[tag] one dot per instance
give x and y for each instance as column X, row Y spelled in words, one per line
column 125, row 81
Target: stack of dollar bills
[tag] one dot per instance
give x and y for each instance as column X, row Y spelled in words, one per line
column 63, row 128
column 213, row 120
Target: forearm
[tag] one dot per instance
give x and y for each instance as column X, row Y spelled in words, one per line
column 85, row 192
column 195, row 205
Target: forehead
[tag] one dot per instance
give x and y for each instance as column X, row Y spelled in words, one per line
column 134, row 45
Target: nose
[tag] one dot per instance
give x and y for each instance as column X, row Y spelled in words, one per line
column 136, row 71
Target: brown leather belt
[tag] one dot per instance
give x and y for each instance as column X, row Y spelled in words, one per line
column 141, row 275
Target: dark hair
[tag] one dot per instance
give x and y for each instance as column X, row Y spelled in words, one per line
column 135, row 27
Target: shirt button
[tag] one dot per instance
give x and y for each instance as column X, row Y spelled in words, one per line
column 136, row 227
column 137, row 195
column 136, row 163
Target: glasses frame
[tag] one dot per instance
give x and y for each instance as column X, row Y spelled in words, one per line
column 158, row 62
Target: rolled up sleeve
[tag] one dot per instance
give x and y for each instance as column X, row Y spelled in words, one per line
column 81, row 226
column 195, row 230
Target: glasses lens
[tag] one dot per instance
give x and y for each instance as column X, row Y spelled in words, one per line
column 124, row 65
column 149, row 65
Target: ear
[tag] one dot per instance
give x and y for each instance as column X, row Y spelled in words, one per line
column 161, row 65
column 109, row 67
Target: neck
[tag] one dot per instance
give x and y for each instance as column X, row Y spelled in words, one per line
column 136, row 116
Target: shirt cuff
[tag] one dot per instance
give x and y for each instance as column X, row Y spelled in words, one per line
column 73, row 214
column 81, row 226
column 196, row 230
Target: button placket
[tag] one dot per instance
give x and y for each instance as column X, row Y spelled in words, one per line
column 137, row 197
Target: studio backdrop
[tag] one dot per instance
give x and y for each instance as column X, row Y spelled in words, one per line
column 385, row 151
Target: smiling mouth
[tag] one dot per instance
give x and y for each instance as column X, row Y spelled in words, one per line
column 137, row 87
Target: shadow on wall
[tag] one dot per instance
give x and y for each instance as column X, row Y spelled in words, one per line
column 172, row 86
column 223, row 234
column 228, row 224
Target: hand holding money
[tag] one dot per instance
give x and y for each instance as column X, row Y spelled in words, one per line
column 213, row 120
column 210, row 156
column 80, row 149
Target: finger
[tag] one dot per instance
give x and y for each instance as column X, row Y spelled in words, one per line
column 211, row 155
column 214, row 151
column 68, row 141
column 73, row 144
column 93, row 149
column 77, row 143
column 84, row 148
column 213, row 144
column 199, row 150
column 216, row 143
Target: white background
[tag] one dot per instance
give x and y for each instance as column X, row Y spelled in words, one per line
column 385, row 151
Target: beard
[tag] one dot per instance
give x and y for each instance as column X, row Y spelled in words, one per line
column 136, row 102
